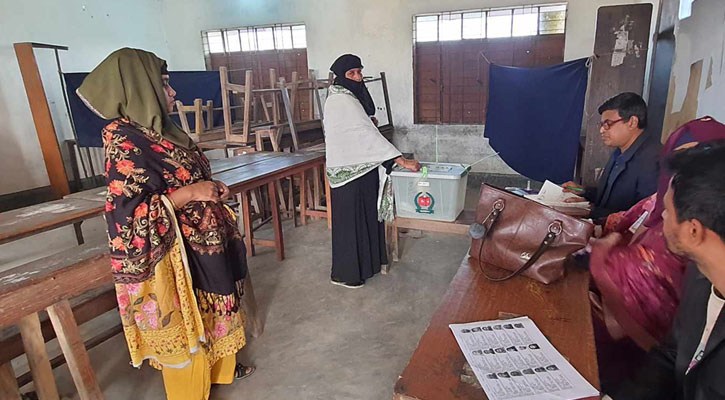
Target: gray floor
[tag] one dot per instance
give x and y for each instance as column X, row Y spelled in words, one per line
column 320, row 341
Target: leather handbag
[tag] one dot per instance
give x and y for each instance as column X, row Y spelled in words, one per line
column 523, row 237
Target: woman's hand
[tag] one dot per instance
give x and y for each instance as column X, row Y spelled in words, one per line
column 223, row 189
column 375, row 120
column 412, row 165
column 200, row 191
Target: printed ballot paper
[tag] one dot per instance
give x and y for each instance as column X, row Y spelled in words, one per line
column 513, row 360
column 553, row 195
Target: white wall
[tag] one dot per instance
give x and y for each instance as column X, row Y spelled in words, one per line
column 91, row 29
column 701, row 37
column 381, row 33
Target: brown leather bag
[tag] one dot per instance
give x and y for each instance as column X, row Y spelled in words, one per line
column 524, row 237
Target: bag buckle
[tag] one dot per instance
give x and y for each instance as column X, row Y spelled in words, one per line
column 555, row 228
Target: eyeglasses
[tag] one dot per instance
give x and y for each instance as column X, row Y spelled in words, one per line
column 606, row 124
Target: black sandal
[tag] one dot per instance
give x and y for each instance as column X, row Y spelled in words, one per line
column 241, row 371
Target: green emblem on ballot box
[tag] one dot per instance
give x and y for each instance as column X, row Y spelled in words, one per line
column 424, row 203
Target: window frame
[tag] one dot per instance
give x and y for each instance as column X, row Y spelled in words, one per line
column 251, row 31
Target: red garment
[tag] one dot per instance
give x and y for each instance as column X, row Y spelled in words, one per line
column 639, row 279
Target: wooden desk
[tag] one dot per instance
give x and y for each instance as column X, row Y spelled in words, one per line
column 459, row 226
column 225, row 164
column 28, row 221
column 561, row 310
column 268, row 172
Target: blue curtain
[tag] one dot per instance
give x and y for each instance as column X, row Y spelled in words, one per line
column 189, row 85
column 534, row 118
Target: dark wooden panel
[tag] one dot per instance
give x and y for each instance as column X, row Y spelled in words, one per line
column 609, row 78
column 452, row 77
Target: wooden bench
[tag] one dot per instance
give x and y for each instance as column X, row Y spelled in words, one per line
column 437, row 369
column 74, row 287
column 29, row 221
column 459, row 226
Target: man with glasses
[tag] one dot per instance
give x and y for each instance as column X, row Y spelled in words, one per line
column 631, row 172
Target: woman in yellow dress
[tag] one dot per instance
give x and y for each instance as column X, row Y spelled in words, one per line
column 177, row 257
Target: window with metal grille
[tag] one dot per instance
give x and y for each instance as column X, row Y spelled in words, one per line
column 282, row 47
column 452, row 51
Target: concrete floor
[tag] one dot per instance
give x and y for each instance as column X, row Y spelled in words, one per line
column 320, row 342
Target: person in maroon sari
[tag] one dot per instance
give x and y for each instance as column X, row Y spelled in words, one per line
column 639, row 280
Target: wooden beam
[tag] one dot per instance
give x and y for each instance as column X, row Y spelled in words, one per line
column 198, row 117
column 42, row 119
column 247, row 104
column 38, row 357
column 8, row 385
column 74, row 350
column 226, row 103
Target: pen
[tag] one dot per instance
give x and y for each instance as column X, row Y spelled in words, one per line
column 576, row 189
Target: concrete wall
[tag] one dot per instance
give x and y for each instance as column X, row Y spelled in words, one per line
column 697, row 84
column 91, row 29
column 379, row 31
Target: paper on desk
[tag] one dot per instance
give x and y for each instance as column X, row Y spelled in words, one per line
column 553, row 195
column 513, row 360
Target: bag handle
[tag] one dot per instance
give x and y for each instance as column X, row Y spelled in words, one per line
column 555, row 229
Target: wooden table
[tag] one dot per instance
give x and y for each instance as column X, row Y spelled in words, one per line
column 268, row 172
column 28, row 221
column 437, row 369
column 459, row 226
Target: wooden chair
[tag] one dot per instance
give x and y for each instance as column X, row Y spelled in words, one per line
column 202, row 132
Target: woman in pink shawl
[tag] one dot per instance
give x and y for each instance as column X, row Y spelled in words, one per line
column 639, row 280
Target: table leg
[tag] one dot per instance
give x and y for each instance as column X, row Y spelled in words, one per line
column 318, row 189
column 8, row 383
column 394, row 237
column 74, row 350
column 291, row 200
column 276, row 220
column 247, row 216
column 79, row 232
column 40, row 369
column 328, row 200
column 256, row 327
column 303, row 198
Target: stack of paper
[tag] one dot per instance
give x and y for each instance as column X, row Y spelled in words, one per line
column 513, row 360
column 553, row 195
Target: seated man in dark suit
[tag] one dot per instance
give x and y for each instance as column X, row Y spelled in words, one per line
column 691, row 364
column 632, row 170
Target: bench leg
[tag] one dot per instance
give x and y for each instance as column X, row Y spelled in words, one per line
column 40, row 369
column 79, row 233
column 74, row 350
column 256, row 327
column 8, row 383
column 292, row 209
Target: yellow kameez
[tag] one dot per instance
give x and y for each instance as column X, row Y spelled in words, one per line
column 163, row 323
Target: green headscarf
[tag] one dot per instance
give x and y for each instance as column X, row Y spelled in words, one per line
column 127, row 84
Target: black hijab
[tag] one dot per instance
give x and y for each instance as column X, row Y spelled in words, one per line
column 343, row 64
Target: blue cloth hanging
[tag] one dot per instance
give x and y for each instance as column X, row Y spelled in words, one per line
column 189, row 85
column 534, row 118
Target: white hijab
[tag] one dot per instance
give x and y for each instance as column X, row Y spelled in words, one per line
column 351, row 138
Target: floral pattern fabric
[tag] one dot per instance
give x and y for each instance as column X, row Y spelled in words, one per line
column 179, row 274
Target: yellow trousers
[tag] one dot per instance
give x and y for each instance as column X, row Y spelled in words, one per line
column 194, row 381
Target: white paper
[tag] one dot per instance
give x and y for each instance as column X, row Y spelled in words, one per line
column 513, row 360
column 553, row 195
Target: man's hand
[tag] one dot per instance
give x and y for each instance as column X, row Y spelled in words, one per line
column 571, row 187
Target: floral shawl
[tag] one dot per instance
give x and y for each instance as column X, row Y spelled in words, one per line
column 179, row 274
column 354, row 146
